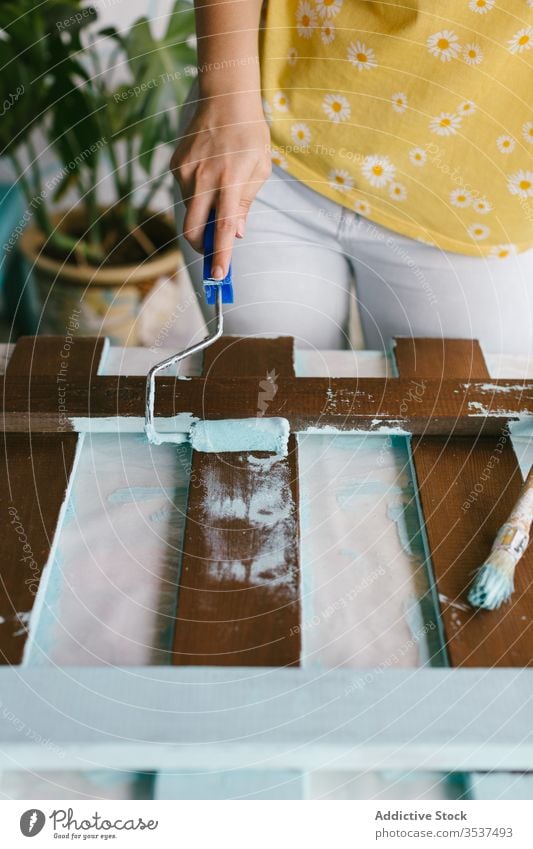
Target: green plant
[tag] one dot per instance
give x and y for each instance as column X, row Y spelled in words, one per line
column 98, row 117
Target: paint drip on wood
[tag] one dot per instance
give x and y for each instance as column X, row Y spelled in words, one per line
column 256, row 501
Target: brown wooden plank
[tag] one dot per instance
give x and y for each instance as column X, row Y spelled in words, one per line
column 67, row 357
column 239, row 599
column 467, row 488
column 272, row 355
column 418, row 406
column 440, row 358
column 35, row 470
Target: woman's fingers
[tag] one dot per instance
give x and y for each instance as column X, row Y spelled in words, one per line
column 223, row 170
column 230, row 187
column 198, row 208
column 261, row 173
column 228, row 209
column 232, row 210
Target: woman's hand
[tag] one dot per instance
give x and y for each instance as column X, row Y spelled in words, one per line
column 222, row 162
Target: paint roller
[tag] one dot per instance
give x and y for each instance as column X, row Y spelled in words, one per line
column 252, row 434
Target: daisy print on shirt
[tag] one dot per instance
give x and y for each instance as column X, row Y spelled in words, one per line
column 416, row 116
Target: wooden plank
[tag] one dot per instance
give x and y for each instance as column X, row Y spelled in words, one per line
column 440, row 358
column 57, row 356
column 35, row 471
column 415, row 406
column 230, row 784
column 177, row 718
column 238, row 597
column 467, row 488
column 272, row 355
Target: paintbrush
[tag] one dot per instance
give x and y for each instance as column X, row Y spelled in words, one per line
column 494, row 581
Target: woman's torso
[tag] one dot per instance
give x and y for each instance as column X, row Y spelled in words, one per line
column 418, row 115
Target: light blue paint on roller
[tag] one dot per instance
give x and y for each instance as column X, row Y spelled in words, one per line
column 256, row 434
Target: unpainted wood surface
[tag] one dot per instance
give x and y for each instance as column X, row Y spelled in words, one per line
column 467, row 488
column 53, row 356
column 417, row 405
column 256, row 360
column 35, row 470
column 239, row 597
column 440, row 359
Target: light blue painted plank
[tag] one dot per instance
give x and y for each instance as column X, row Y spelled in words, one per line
column 501, row 785
column 415, row 784
column 267, row 719
column 230, row 784
column 440, row 655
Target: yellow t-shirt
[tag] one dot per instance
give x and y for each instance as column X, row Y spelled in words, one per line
column 417, row 115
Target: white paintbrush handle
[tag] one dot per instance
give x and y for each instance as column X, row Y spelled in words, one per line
column 513, row 536
column 522, row 512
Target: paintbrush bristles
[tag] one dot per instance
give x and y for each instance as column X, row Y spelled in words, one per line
column 494, row 581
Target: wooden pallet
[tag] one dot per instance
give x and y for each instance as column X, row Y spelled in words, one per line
column 458, row 422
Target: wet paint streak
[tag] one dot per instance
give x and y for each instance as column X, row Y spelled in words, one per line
column 130, row 494
column 22, row 619
column 265, row 504
column 494, row 387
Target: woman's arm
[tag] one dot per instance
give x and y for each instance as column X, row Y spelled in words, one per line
column 224, row 158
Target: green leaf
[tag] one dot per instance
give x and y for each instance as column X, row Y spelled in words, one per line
column 150, row 140
column 163, row 63
column 68, row 17
column 75, row 130
column 19, row 101
column 32, row 53
column 111, row 32
column 67, row 182
column 129, row 108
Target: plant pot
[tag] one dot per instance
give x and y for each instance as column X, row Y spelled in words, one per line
column 102, row 301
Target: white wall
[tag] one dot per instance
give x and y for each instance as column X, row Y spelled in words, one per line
column 122, row 13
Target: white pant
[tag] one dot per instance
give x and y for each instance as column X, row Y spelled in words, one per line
column 294, row 274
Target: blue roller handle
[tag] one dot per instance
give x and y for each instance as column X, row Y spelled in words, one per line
column 211, row 286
